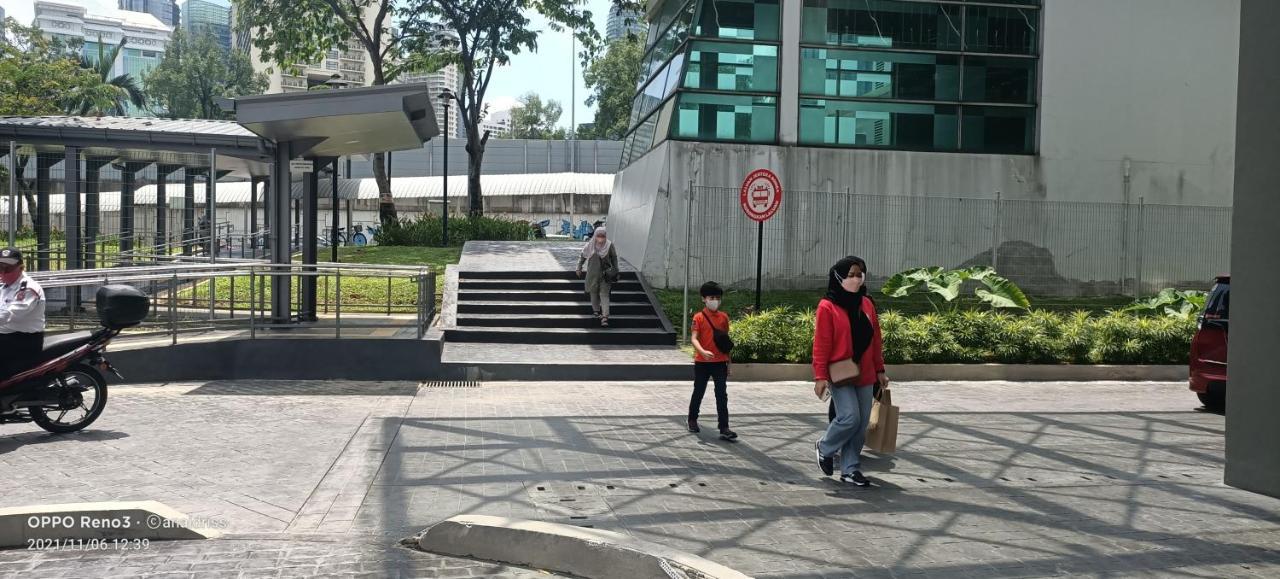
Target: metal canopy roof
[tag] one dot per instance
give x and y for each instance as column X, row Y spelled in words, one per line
column 144, row 140
column 335, row 123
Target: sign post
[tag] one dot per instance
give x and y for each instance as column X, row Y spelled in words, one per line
column 761, row 196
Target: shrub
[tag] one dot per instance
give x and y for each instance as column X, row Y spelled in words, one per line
column 782, row 335
column 425, row 231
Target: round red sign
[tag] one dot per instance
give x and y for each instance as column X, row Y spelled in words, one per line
column 761, row 195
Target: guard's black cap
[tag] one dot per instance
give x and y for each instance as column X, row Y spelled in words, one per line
column 10, row 256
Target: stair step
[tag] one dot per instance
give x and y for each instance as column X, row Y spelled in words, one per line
column 510, row 335
column 552, row 275
column 546, row 296
column 523, row 285
column 555, row 321
column 568, row 308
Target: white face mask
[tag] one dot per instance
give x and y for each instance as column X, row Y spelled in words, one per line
column 713, row 305
column 851, row 284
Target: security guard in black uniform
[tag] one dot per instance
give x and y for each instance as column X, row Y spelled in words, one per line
column 21, row 316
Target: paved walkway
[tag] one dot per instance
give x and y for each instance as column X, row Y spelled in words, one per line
column 991, row 479
column 524, row 256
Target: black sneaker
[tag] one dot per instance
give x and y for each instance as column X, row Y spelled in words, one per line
column 729, row 435
column 855, row 479
column 693, row 426
column 826, row 463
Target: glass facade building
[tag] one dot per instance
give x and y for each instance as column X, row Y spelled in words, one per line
column 919, row 75
column 212, row 17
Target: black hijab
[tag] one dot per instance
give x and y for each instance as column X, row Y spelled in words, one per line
column 851, row 303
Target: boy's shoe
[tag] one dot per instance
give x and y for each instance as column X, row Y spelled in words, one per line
column 729, row 435
column 826, row 463
column 855, row 479
column 693, row 426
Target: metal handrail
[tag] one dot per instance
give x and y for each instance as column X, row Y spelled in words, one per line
column 176, row 289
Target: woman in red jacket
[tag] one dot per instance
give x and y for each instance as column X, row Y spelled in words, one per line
column 847, row 329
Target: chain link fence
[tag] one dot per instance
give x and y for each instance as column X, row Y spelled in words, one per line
column 1049, row 248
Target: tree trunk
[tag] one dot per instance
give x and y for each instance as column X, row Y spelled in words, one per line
column 475, row 158
column 386, row 203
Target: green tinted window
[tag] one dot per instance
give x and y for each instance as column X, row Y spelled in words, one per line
column 999, row 80
column 888, row 125
column 733, row 67
column 1002, row 30
column 890, row 75
column 662, row 47
column 721, row 117
column 999, row 129
column 740, row 19
column 882, row 24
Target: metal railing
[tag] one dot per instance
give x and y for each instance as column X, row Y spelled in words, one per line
column 199, row 296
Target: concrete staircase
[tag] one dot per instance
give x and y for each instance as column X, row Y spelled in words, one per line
column 550, row 307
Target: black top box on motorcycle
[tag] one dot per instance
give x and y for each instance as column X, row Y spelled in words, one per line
column 122, row 306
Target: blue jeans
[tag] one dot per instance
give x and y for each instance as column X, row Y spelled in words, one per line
column 848, row 432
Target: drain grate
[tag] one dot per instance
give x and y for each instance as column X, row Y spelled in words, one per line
column 450, row 384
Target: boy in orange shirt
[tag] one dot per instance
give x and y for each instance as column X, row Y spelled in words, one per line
column 710, row 362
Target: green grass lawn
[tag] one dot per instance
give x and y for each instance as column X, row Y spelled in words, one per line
column 360, row 294
column 737, row 303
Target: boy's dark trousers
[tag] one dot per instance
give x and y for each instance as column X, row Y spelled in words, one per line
column 718, row 371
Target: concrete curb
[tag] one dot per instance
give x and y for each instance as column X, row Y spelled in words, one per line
column 976, row 373
column 583, row 552
column 123, row 520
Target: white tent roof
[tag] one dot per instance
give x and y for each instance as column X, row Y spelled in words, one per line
column 401, row 188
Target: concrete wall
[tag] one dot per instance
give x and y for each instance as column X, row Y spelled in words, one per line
column 283, row 359
column 1253, row 398
column 908, row 210
column 1123, row 91
column 1148, row 81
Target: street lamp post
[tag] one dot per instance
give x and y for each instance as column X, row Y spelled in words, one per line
column 445, row 96
column 336, row 82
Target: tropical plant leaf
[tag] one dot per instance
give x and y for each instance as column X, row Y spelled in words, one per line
column 903, row 283
column 980, row 272
column 947, row 285
column 1002, row 293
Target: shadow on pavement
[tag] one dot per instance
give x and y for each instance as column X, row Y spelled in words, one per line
column 991, row 494
column 12, row 443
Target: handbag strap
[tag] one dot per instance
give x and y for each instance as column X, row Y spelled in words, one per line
column 714, row 329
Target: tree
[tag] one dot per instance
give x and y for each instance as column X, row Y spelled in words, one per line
column 534, row 119
column 35, row 76
column 292, row 32
column 487, row 32
column 194, row 73
column 612, row 80
column 104, row 94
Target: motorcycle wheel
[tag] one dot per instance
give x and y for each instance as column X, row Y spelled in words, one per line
column 92, row 401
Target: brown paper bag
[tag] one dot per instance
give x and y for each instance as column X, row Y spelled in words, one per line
column 882, row 429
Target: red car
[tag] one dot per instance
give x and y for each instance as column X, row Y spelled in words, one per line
column 1209, row 348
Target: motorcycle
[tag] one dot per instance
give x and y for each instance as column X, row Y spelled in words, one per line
column 65, row 390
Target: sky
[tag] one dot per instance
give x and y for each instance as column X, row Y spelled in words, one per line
column 552, row 72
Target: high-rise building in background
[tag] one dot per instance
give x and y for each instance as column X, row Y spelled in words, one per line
column 147, row 36
column 166, row 11
column 348, row 63
column 498, row 123
column 1, row 13
column 623, row 22
column 448, row 77
column 208, row 16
